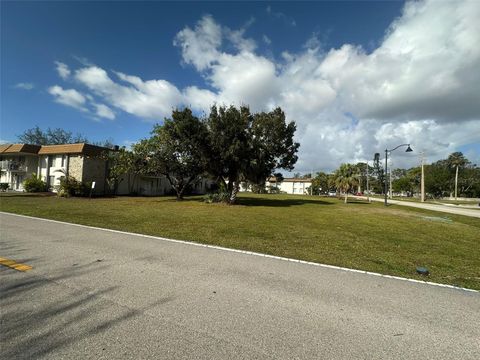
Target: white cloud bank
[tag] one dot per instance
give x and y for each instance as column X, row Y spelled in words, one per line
column 421, row 85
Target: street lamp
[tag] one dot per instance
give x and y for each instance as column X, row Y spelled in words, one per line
column 409, row 149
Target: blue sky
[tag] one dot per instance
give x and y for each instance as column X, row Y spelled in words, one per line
column 112, row 70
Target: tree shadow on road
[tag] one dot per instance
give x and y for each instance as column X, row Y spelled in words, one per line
column 41, row 315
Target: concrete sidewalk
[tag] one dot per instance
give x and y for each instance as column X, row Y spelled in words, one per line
column 441, row 208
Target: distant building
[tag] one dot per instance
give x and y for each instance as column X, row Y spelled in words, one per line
column 295, row 186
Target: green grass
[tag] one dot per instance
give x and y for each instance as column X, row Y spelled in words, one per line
column 358, row 235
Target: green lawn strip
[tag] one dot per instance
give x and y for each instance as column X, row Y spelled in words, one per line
column 358, row 235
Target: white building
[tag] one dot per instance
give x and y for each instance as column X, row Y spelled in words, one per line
column 293, row 186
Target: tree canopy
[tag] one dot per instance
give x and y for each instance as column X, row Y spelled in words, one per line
column 230, row 145
column 248, row 147
column 57, row 136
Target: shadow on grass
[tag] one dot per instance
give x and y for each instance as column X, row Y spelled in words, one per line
column 358, row 203
column 21, row 194
column 250, row 201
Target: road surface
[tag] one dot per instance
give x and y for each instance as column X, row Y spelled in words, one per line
column 95, row 294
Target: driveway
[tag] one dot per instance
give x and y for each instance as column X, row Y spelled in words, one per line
column 96, row 294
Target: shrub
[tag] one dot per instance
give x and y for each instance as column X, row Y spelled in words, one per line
column 216, row 197
column 259, row 189
column 4, row 186
column 69, row 186
column 35, row 184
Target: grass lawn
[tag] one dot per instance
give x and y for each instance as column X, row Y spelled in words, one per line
column 358, row 235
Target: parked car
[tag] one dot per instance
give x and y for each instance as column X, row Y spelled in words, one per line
column 332, row 193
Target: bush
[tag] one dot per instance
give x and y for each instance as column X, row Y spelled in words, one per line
column 35, row 184
column 259, row 189
column 216, row 197
column 69, row 186
column 4, row 186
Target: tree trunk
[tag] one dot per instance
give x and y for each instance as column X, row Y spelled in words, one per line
column 346, row 196
column 233, row 193
column 180, row 195
column 456, row 182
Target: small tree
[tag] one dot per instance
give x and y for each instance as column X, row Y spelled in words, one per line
column 346, row 178
column 457, row 160
column 177, row 150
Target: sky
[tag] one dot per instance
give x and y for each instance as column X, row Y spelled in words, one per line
column 356, row 77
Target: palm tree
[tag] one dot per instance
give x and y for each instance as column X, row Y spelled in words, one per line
column 456, row 160
column 346, row 178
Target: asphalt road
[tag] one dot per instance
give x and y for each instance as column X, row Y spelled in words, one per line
column 442, row 208
column 94, row 294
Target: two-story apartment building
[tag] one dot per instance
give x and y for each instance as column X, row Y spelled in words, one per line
column 17, row 162
column 51, row 163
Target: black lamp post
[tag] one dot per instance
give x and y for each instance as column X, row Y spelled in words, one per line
column 409, row 149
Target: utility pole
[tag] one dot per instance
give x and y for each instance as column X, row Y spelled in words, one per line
column 390, row 178
column 422, row 181
column 311, row 183
column 368, row 188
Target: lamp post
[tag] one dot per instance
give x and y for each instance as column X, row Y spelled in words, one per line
column 409, row 149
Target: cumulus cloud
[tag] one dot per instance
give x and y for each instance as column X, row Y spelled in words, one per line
column 103, row 111
column 24, row 86
column 200, row 45
column 68, row 97
column 421, row 85
column 421, row 80
column 62, row 70
column 151, row 99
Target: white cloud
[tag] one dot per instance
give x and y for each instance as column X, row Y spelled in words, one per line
column 62, row 70
column 266, row 39
column 24, row 86
column 152, row 99
column 68, row 97
column 421, row 85
column 104, row 111
column 199, row 46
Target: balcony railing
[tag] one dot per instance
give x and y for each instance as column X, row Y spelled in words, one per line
column 12, row 166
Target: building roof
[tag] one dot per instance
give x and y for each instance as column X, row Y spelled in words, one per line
column 82, row 148
column 19, row 149
column 272, row 180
